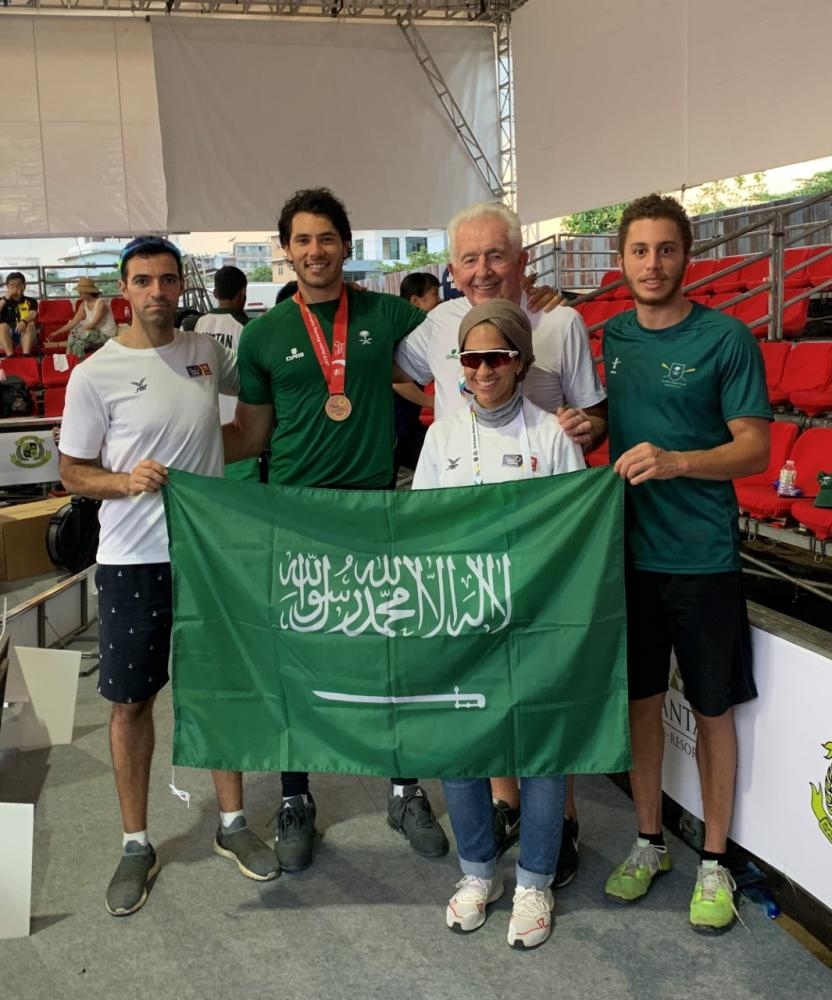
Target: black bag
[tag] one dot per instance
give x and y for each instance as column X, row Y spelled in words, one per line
column 72, row 536
column 15, row 398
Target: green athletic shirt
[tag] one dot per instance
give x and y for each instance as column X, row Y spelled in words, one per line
column 677, row 388
column 278, row 366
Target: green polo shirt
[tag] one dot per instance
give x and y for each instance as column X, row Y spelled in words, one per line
column 677, row 388
column 278, row 366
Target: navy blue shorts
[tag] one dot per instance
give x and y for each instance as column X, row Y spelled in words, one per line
column 135, row 612
column 703, row 619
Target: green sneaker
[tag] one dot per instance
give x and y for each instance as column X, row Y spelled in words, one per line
column 631, row 881
column 712, row 909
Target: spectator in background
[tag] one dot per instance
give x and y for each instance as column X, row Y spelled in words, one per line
column 18, row 316
column 286, row 292
column 225, row 324
column 93, row 323
column 421, row 290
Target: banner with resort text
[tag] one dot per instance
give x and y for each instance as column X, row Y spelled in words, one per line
column 442, row 633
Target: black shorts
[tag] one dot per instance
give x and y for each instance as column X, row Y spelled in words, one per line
column 135, row 611
column 703, row 618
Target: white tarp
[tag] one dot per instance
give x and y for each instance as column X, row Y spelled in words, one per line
column 250, row 112
column 614, row 100
column 783, row 810
column 81, row 151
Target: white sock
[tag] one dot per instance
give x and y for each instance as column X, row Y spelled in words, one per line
column 140, row 838
column 400, row 789
column 228, row 818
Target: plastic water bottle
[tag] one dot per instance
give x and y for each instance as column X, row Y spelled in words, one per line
column 787, row 482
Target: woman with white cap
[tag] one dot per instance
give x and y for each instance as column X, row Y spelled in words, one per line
column 500, row 436
column 93, row 323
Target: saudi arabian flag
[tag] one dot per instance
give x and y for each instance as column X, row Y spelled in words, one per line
column 442, row 633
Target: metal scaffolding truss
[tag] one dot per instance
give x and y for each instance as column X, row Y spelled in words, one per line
column 460, row 11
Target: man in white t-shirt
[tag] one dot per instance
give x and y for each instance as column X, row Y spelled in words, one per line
column 488, row 262
column 225, row 324
column 146, row 401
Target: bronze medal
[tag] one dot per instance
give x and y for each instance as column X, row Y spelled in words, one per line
column 338, row 407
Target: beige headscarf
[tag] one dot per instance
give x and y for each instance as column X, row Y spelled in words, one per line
column 508, row 318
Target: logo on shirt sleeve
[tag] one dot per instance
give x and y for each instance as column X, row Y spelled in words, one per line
column 513, row 461
column 198, row 371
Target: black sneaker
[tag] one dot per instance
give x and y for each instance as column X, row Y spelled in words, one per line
column 568, row 858
column 129, row 886
column 413, row 817
column 295, row 833
column 241, row 844
column 506, row 826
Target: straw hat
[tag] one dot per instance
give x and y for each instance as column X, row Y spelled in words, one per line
column 86, row 286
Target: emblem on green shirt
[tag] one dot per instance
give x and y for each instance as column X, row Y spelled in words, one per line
column 676, row 372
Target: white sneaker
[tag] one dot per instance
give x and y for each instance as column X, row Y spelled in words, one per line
column 531, row 917
column 466, row 910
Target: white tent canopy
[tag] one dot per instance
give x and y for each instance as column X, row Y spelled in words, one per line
column 614, row 100
column 116, row 125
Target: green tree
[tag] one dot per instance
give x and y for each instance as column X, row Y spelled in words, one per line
column 816, row 184
column 417, row 259
column 596, row 220
column 262, row 272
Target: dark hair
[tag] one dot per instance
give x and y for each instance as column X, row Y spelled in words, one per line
column 149, row 246
column 229, row 281
column 419, row 283
column 286, row 292
column 656, row 206
column 16, row 276
column 316, row 201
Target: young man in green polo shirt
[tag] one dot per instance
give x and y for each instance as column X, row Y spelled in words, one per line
column 688, row 412
column 315, row 374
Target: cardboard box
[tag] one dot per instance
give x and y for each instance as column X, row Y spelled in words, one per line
column 23, row 530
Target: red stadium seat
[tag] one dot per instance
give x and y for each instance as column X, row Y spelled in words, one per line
column 121, row 309
column 794, row 317
column 50, row 376
column 820, row 270
column 783, row 437
column 817, row 519
column 795, row 257
column 52, row 314
column 750, row 311
column 808, row 367
column 426, row 415
column 53, row 401
column 811, row 453
column 719, row 299
column 599, row 455
column 698, row 269
column 618, row 293
column 728, row 282
column 25, row 368
column 775, row 353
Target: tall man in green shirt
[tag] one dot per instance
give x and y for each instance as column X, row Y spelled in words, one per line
column 688, row 412
column 315, row 374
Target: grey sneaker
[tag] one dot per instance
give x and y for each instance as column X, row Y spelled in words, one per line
column 242, row 845
column 413, row 817
column 295, row 833
column 130, row 885
column 506, row 826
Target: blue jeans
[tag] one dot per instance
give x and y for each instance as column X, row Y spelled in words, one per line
column 541, row 827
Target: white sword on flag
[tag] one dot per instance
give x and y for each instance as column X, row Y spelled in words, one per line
column 458, row 700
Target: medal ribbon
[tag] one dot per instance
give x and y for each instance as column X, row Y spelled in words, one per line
column 334, row 365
